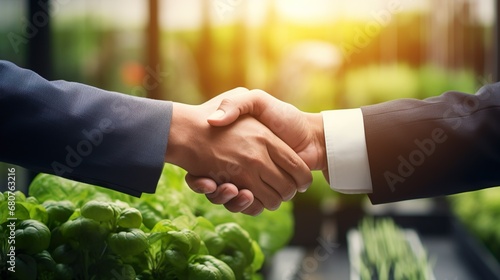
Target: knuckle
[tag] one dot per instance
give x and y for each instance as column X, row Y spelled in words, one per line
column 288, row 192
column 215, row 199
column 255, row 209
column 232, row 209
column 273, row 201
column 274, row 205
column 242, row 89
column 226, row 102
column 294, row 161
column 253, row 159
column 290, row 195
column 258, row 92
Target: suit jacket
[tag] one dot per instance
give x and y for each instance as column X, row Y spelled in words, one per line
column 81, row 132
column 432, row 147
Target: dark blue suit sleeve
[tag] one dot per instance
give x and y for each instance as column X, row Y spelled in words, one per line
column 433, row 147
column 81, row 132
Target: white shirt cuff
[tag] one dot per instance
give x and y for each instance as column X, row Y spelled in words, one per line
column 347, row 157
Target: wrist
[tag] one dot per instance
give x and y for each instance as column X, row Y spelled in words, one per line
column 180, row 135
column 318, row 138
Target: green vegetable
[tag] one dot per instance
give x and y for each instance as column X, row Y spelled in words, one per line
column 209, row 268
column 181, row 245
column 20, row 197
column 96, row 233
column 237, row 261
column 238, row 251
column 211, row 239
column 129, row 242
column 185, row 241
column 98, row 210
column 150, row 215
column 64, row 254
column 64, row 272
column 44, row 261
column 58, row 211
column 236, row 238
column 16, row 205
column 45, row 265
column 26, row 267
column 130, row 218
column 32, row 236
column 20, row 213
column 32, row 200
column 49, row 187
column 84, row 233
column 110, row 267
column 272, row 230
column 164, row 226
column 387, row 253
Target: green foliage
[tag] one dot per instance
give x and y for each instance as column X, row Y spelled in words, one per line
column 209, row 268
column 71, row 230
column 32, row 237
column 58, row 211
column 129, row 242
column 387, row 253
column 379, row 83
column 480, row 212
column 434, row 81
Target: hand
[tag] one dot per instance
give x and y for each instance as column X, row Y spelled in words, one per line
column 301, row 131
column 245, row 153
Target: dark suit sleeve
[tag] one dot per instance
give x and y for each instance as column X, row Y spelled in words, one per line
column 81, row 132
column 433, row 147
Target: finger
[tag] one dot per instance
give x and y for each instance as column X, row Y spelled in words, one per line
column 293, row 168
column 281, row 183
column 223, row 194
column 268, row 195
column 277, row 115
column 200, row 184
column 254, row 209
column 241, row 202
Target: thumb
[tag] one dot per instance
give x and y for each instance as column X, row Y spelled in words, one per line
column 226, row 113
column 231, row 108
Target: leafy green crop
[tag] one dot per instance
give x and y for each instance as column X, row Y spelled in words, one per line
column 32, row 236
column 480, row 212
column 388, row 255
column 71, row 230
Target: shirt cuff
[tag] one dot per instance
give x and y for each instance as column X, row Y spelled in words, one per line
column 347, row 157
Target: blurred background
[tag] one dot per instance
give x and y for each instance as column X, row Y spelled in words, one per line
column 315, row 54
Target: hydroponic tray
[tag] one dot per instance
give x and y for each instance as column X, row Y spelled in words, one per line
column 455, row 252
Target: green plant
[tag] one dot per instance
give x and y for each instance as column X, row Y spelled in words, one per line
column 387, row 254
column 480, row 211
column 70, row 230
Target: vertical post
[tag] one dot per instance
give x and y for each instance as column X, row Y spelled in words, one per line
column 204, row 50
column 496, row 47
column 239, row 50
column 153, row 50
column 39, row 57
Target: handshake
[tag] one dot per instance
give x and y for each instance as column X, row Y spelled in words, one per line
column 246, row 149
